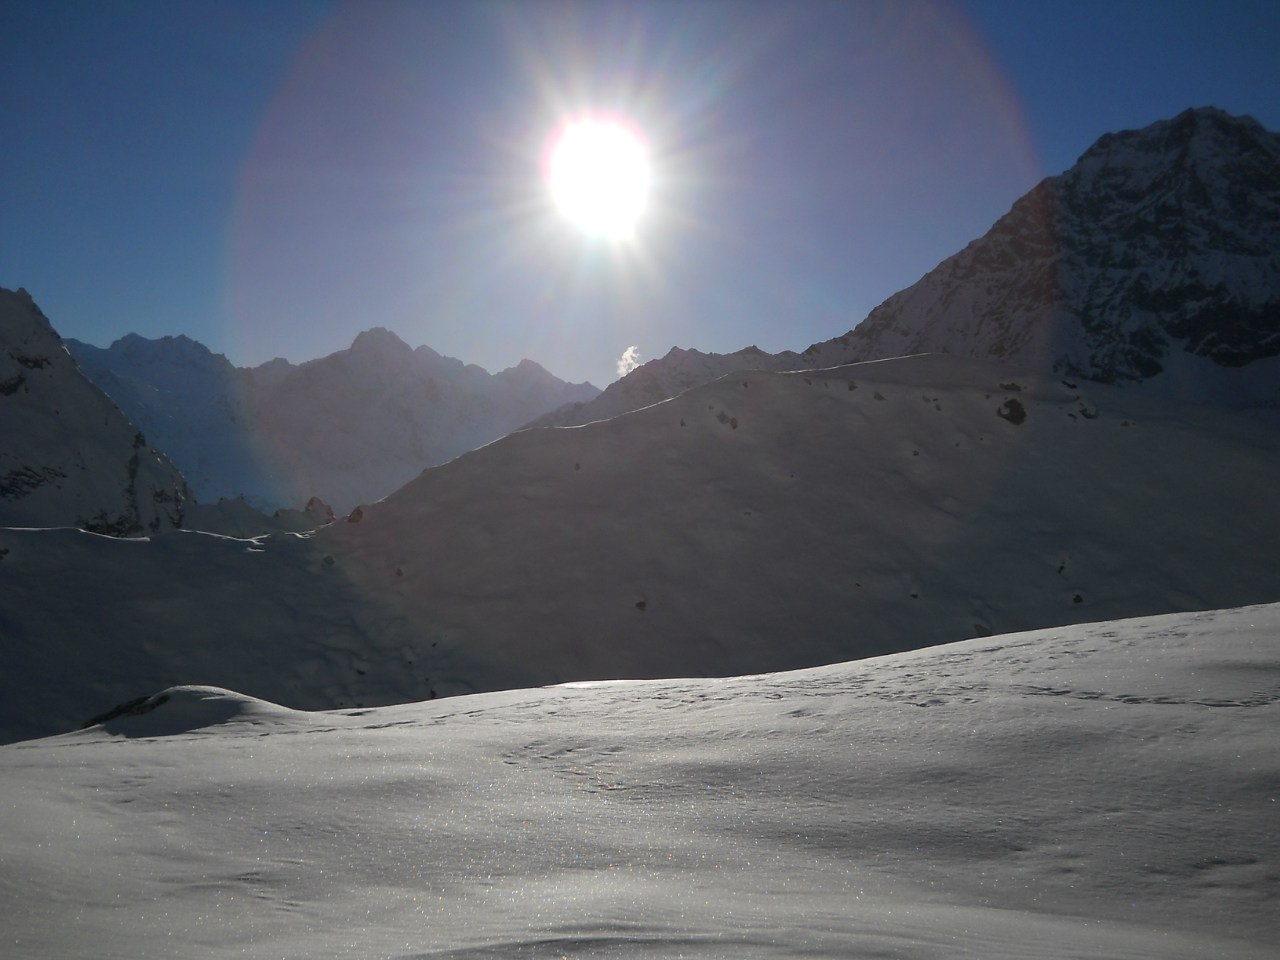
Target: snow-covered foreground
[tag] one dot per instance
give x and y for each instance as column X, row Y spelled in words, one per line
column 1106, row 790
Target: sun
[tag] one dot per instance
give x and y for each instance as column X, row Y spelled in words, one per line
column 598, row 175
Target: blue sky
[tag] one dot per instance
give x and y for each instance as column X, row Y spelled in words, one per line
column 272, row 178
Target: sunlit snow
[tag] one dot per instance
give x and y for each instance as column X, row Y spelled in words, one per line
column 1107, row 790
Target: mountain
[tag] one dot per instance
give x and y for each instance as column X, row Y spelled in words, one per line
column 70, row 457
column 193, row 404
column 350, row 427
column 1157, row 246
column 773, row 520
column 765, row 521
column 1152, row 260
column 354, row 426
column 1106, row 790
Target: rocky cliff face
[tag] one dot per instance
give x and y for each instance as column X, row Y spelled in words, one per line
column 1158, row 244
column 70, row 457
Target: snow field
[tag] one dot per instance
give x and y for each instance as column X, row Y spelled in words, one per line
column 1097, row 790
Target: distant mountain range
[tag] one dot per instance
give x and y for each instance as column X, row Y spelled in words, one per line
column 1095, row 412
column 349, row 428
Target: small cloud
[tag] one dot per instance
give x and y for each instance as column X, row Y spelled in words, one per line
column 629, row 360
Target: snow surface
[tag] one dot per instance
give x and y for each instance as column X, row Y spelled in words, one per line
column 1105, row 790
column 661, row 379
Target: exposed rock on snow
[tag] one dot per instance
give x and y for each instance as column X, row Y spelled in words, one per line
column 70, row 457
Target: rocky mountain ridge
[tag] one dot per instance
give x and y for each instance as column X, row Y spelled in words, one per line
column 1156, row 242
column 70, row 457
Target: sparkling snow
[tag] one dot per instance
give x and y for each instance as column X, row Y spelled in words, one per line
column 1099, row 790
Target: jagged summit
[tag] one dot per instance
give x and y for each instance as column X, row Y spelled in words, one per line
column 1157, row 242
column 169, row 349
column 1197, row 127
column 175, row 363
column 528, row 366
column 529, row 373
column 379, row 340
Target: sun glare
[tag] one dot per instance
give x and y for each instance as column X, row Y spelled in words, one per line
column 598, row 174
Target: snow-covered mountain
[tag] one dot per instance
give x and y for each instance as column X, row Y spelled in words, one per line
column 192, row 404
column 1158, row 244
column 69, row 456
column 1153, row 259
column 1094, row 791
column 350, row 427
column 765, row 521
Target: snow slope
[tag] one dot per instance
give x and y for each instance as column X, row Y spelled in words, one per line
column 1107, row 790
column 769, row 521
column 765, row 521
column 69, row 456
column 349, row 428
column 660, row 379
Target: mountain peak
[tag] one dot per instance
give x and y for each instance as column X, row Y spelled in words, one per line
column 1157, row 243
column 1198, row 135
column 351, row 426
column 379, row 340
column 168, row 349
column 528, row 369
